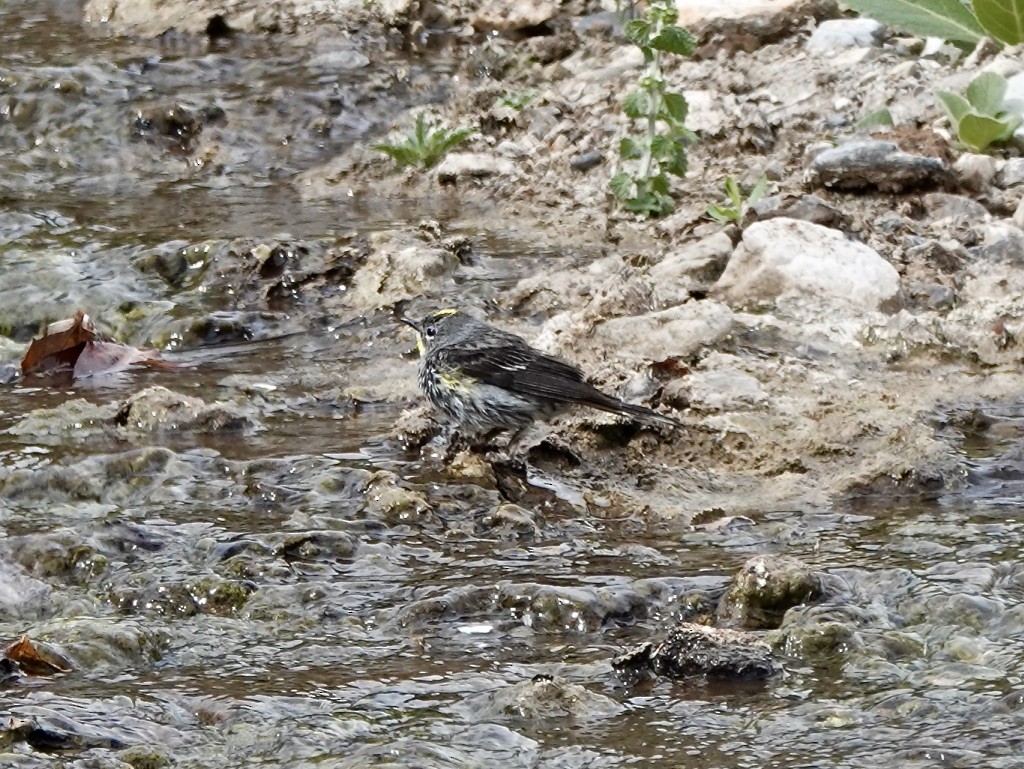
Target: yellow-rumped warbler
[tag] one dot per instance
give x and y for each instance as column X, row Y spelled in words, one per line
column 484, row 378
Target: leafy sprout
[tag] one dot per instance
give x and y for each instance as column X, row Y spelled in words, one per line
column 426, row 146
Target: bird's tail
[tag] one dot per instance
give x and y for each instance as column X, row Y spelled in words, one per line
column 639, row 413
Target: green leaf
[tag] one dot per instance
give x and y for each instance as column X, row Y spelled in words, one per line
column 1012, row 121
column 637, row 104
column 676, row 106
column 630, row 149
column 732, row 190
column 979, row 131
column 948, row 19
column 622, row 185
column 402, row 155
column 674, row 40
column 879, row 117
column 1003, row 19
column 638, row 32
column 986, row 92
column 956, row 106
column 758, row 191
column 723, row 215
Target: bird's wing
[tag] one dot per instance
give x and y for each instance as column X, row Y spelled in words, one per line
column 520, row 369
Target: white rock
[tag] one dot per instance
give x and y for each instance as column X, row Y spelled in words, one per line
column 791, row 259
column 693, row 11
column 975, row 171
column 674, row 333
column 844, row 33
column 509, row 15
column 472, row 164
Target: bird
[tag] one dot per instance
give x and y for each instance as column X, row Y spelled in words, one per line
column 484, row 379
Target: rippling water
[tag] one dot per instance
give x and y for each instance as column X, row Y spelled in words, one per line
column 267, row 599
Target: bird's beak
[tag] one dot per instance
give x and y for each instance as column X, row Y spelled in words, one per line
column 409, row 322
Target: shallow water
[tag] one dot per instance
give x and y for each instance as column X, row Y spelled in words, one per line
column 249, row 599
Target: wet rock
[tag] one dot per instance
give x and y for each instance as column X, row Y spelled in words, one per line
column 51, row 733
column 388, row 498
column 146, row 757
column 543, row 697
column 9, row 372
column 697, row 264
column 470, row 465
column 106, row 643
column 692, row 651
column 71, row 418
column 510, row 521
column 158, row 409
column 765, row 589
column 511, row 15
column 398, row 268
column 942, row 205
column 785, row 258
column 177, row 125
column 867, row 163
column 845, row 33
column 674, row 333
column 472, row 165
column 821, row 641
column 809, row 208
column 975, row 172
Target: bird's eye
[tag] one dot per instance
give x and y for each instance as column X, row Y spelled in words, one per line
column 430, row 331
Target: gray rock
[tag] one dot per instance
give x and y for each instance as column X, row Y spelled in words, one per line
column 700, row 262
column 586, row 161
column 543, row 697
column 791, row 259
column 691, row 650
column 1011, row 174
column 930, row 296
column 845, row 33
column 942, row 205
column 674, row 333
column 809, row 208
column 867, row 163
column 765, row 589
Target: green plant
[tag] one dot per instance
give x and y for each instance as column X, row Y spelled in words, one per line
column 426, row 146
column 646, row 189
column 983, row 117
column 737, row 205
column 960, row 22
column 518, row 101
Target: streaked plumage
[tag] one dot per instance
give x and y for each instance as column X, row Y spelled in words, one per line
column 484, row 378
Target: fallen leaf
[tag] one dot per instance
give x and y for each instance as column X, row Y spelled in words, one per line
column 37, row 659
column 72, row 346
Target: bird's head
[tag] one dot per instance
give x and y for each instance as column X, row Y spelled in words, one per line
column 440, row 329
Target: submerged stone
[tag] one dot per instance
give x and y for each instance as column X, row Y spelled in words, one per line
column 692, row 651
